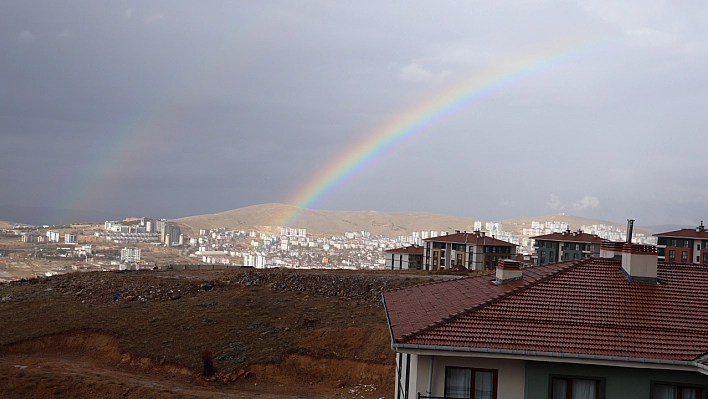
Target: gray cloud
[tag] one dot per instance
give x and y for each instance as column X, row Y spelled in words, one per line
column 176, row 108
column 25, row 36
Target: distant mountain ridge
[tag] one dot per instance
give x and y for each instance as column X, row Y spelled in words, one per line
column 392, row 224
column 6, row 225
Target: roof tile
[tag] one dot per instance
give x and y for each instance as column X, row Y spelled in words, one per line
column 582, row 307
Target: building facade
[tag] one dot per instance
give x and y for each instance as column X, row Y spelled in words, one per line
column 71, row 238
column 473, row 251
column 684, row 246
column 129, row 255
column 170, row 234
column 567, row 245
column 410, row 257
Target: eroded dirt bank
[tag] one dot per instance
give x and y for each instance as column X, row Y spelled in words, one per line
column 269, row 334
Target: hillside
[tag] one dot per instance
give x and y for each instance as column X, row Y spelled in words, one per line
column 269, row 216
column 328, row 222
column 267, row 333
column 6, row 225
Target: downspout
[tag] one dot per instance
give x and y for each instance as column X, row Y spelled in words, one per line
column 408, row 374
column 398, row 367
column 430, row 377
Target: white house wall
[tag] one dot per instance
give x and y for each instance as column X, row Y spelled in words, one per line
column 511, row 374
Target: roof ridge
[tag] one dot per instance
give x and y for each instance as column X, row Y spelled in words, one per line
column 572, row 265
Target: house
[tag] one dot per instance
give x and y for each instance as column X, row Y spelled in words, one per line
column 684, row 246
column 410, row 257
column 475, row 251
column 566, row 245
column 621, row 325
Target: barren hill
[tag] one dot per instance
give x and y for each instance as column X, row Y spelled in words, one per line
column 6, row 225
column 328, row 222
column 270, row 216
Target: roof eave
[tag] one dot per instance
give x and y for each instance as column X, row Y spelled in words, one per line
column 619, row 361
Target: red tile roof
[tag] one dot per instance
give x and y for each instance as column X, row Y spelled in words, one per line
column 413, row 309
column 575, row 237
column 582, row 307
column 470, row 238
column 411, row 250
column 699, row 232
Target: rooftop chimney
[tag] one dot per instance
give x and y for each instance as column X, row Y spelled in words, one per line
column 639, row 262
column 630, row 227
column 611, row 249
column 508, row 270
column 700, row 228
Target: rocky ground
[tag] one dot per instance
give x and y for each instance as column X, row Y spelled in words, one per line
column 237, row 333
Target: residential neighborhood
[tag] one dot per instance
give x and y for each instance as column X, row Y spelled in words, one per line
column 619, row 325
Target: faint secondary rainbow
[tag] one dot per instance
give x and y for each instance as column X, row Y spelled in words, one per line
column 148, row 130
column 424, row 115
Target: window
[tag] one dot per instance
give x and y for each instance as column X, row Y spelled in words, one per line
column 575, row 256
column 673, row 242
column 705, row 258
column 684, row 256
column 668, row 391
column 687, row 243
column 577, row 247
column 576, row 388
column 672, row 255
column 470, row 383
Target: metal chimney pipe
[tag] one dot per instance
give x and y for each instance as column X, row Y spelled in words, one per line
column 630, row 227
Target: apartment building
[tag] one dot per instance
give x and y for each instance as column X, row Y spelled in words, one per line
column 474, row 251
column 684, row 246
column 410, row 257
column 566, row 245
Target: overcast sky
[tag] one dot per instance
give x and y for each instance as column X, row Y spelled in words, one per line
column 176, row 108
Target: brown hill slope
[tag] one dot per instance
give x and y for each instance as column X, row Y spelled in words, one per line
column 270, row 216
column 328, row 222
column 6, row 225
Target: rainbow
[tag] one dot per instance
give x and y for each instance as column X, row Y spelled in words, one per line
column 424, row 115
column 147, row 131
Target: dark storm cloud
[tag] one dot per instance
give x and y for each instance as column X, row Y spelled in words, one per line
column 175, row 108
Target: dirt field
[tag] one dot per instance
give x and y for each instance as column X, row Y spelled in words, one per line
column 268, row 334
